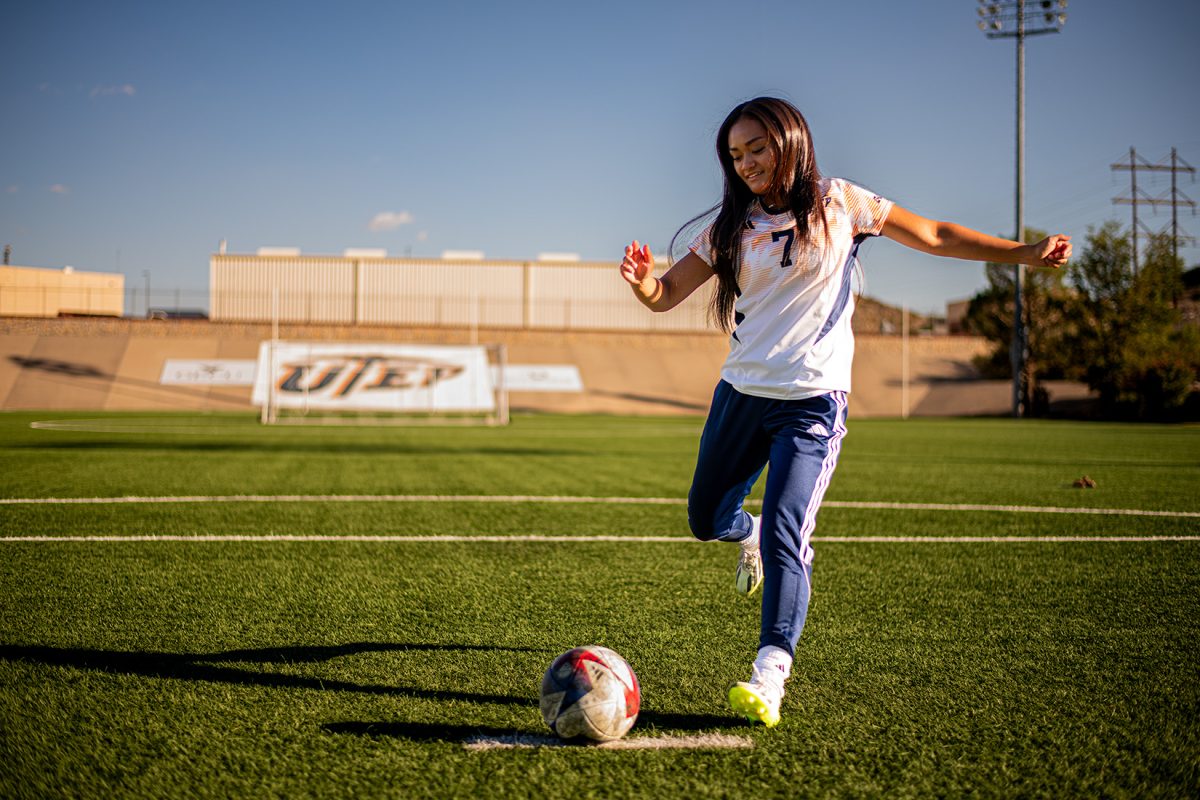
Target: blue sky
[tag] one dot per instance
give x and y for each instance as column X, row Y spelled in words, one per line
column 139, row 135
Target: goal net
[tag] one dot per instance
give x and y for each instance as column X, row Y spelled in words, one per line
column 348, row 383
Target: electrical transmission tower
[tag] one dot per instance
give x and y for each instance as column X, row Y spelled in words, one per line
column 1139, row 196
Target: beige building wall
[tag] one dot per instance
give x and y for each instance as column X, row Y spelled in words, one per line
column 591, row 296
column 38, row 292
column 297, row 288
column 441, row 292
column 450, row 292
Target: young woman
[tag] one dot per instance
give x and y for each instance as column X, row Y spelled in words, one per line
column 783, row 248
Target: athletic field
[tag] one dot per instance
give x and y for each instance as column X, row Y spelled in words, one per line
column 204, row 607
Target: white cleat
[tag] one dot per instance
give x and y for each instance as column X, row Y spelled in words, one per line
column 758, row 700
column 755, row 703
column 749, row 575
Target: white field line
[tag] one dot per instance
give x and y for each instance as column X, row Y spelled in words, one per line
column 519, row 538
column 1127, row 512
column 351, row 498
column 520, row 498
column 216, row 427
column 711, row 741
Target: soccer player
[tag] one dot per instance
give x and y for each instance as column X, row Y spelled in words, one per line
column 782, row 247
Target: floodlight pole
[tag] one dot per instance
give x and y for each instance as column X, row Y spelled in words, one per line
column 994, row 18
column 1020, row 339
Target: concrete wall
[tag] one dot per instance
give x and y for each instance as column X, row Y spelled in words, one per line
column 91, row 364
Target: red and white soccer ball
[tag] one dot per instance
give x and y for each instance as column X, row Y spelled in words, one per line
column 590, row 692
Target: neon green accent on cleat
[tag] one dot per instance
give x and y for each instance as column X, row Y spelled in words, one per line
column 751, row 704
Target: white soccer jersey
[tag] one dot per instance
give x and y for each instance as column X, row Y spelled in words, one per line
column 792, row 338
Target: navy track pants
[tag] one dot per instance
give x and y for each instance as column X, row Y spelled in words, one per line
column 800, row 440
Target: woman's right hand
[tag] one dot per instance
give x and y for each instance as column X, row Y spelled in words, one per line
column 638, row 263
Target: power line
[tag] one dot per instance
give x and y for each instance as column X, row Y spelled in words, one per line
column 1138, row 164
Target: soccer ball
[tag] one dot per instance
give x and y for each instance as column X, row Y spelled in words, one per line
column 590, row 692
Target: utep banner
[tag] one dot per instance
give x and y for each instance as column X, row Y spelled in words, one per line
column 374, row 377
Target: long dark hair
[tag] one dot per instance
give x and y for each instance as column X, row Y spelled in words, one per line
column 796, row 179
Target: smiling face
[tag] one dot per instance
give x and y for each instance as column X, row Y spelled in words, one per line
column 753, row 156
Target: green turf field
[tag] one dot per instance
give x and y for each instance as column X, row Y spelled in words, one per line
column 998, row 659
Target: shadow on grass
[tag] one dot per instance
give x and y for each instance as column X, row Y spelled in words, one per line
column 665, row 721
column 214, row 668
column 208, row 667
column 434, row 732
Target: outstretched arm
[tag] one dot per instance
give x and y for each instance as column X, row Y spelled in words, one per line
column 662, row 294
column 956, row 241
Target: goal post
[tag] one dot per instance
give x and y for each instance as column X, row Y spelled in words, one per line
column 374, row 383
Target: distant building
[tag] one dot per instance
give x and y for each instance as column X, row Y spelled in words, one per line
column 38, row 292
column 956, row 315
column 557, row 291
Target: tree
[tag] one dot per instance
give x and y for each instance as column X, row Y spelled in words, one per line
column 1126, row 337
column 1046, row 302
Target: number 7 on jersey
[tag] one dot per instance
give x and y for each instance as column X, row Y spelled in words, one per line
column 790, row 235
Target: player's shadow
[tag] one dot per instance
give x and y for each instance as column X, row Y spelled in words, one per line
column 216, row 667
column 222, row 668
column 648, row 720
